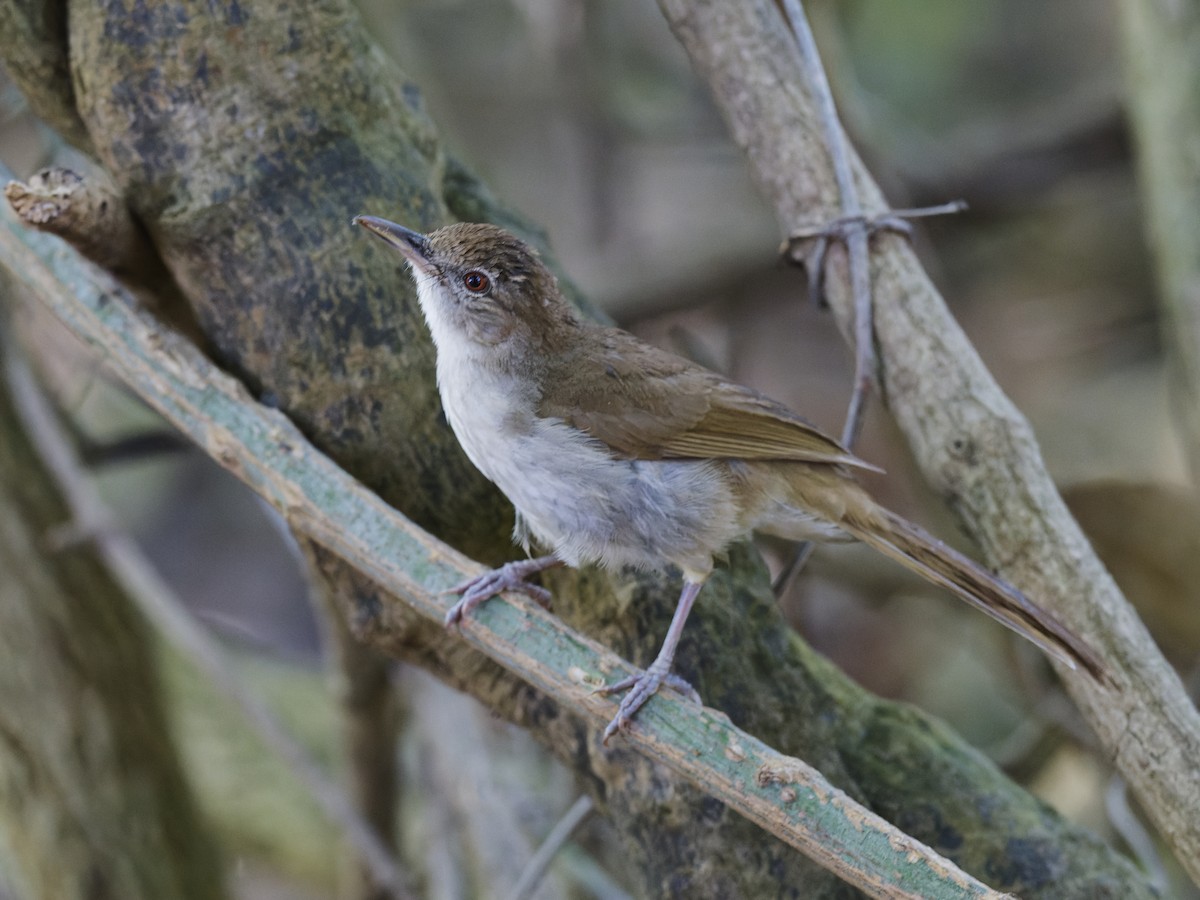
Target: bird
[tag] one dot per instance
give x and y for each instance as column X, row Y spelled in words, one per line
column 619, row 453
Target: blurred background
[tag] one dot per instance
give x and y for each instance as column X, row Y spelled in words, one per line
column 585, row 116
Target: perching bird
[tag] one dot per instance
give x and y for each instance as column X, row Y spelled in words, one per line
column 616, row 452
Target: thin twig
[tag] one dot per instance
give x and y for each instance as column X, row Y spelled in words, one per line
column 856, row 238
column 532, row 874
column 1127, row 824
column 857, row 243
column 792, row 568
column 159, row 603
column 783, row 795
column 853, row 228
column 893, row 219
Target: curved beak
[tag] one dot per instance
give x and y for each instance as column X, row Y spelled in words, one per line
column 413, row 244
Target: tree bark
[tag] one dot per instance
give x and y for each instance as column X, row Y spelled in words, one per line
column 93, row 800
column 245, row 137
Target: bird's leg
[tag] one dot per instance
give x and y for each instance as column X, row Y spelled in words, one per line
column 643, row 686
column 509, row 577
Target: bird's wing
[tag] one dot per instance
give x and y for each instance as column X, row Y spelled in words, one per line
column 646, row 403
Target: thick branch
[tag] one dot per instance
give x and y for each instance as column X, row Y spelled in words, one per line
column 972, row 444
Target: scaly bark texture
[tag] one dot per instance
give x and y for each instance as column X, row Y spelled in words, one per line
column 93, row 801
column 245, row 135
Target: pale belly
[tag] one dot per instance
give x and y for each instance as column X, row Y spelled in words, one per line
column 587, row 507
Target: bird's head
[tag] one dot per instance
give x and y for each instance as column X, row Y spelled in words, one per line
column 480, row 284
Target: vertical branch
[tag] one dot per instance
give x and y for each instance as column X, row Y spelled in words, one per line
column 1162, row 58
column 857, row 234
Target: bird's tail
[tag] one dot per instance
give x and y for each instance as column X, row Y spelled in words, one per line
column 915, row 548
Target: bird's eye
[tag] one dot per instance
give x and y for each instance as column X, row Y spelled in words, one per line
column 476, row 282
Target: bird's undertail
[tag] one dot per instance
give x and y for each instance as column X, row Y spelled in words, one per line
column 932, row 559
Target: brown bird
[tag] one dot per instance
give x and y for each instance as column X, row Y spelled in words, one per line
column 616, row 452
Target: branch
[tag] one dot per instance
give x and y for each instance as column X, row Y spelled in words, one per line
column 1162, row 60
column 531, row 876
column 783, row 795
column 857, row 239
column 89, row 213
column 972, row 444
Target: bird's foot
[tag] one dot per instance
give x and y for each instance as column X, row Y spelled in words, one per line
column 509, row 577
column 642, row 687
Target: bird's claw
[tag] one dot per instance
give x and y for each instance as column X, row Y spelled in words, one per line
column 641, row 687
column 509, row 577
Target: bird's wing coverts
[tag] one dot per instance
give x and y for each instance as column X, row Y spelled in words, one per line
column 646, row 403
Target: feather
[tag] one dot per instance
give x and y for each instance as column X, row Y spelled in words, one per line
column 646, row 403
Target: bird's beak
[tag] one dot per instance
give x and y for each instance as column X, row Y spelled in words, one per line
column 413, row 244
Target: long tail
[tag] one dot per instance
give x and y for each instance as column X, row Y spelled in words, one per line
column 927, row 556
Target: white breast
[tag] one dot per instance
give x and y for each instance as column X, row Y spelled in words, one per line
column 575, row 497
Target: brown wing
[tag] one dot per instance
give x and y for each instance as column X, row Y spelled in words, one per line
column 647, row 403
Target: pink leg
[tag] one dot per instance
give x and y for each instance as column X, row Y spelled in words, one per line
column 644, row 685
column 509, row 577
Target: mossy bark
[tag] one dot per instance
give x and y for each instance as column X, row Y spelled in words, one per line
column 245, row 135
column 93, row 801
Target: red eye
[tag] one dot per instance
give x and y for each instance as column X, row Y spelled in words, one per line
column 476, row 282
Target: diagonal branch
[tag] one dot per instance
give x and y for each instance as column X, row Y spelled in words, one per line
column 973, row 446
column 781, row 794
